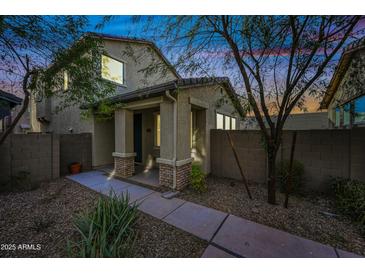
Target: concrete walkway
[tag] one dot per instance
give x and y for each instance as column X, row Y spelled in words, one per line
column 228, row 236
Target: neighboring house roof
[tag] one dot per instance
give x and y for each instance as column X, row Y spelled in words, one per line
column 138, row 41
column 11, row 98
column 7, row 102
column 158, row 90
column 340, row 71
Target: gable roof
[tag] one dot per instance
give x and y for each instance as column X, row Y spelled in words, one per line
column 158, row 90
column 10, row 101
column 11, row 98
column 341, row 70
column 137, row 41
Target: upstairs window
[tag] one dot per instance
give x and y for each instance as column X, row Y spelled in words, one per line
column 112, row 70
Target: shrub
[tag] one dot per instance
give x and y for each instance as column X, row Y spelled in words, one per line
column 198, row 182
column 296, row 178
column 350, row 199
column 107, row 231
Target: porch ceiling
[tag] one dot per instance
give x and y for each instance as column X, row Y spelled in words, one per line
column 143, row 104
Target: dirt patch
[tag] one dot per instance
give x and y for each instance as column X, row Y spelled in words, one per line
column 305, row 216
column 38, row 223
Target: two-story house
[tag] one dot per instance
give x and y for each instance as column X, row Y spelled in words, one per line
column 164, row 122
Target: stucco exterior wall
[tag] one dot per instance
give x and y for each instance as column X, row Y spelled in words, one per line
column 68, row 120
column 138, row 60
column 215, row 99
column 124, row 142
column 167, row 129
column 103, row 142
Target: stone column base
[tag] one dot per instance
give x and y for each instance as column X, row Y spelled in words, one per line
column 183, row 173
column 124, row 164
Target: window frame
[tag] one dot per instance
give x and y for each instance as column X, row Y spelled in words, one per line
column 235, row 123
column 354, row 111
column 155, row 135
column 225, row 116
column 216, row 120
column 66, row 81
column 117, row 60
column 346, row 115
column 341, row 110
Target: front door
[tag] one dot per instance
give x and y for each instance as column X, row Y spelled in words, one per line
column 137, row 126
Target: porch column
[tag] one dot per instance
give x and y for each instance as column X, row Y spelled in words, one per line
column 175, row 158
column 124, row 148
column 184, row 159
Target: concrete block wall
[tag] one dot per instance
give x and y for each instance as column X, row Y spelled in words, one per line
column 37, row 154
column 75, row 148
column 324, row 153
column 249, row 150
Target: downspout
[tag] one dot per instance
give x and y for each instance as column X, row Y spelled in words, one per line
column 168, row 95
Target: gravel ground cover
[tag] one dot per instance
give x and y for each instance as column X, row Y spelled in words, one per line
column 44, row 217
column 309, row 217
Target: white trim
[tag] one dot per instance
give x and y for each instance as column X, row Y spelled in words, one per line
column 155, row 115
column 198, row 102
column 123, row 154
column 171, row 162
column 184, row 162
column 224, row 120
column 117, row 60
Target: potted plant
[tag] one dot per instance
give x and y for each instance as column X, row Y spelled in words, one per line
column 75, row 168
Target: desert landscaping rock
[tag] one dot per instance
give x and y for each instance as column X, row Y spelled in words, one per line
column 237, row 236
column 45, row 215
column 303, row 217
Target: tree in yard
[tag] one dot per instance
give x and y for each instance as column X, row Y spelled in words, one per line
column 37, row 53
column 276, row 60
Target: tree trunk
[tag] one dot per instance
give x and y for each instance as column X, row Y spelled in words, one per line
column 271, row 187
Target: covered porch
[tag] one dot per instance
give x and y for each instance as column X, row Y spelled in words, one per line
column 154, row 141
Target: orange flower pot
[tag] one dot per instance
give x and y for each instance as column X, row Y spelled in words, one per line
column 75, row 168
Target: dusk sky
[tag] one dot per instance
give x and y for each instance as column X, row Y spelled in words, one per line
column 124, row 26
